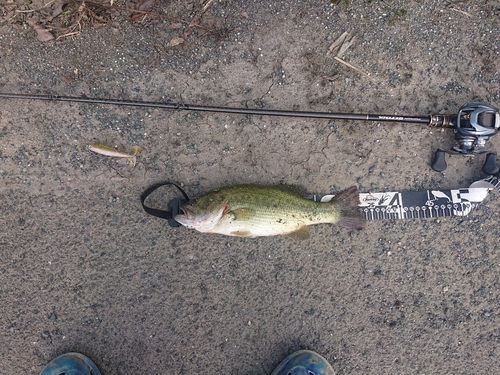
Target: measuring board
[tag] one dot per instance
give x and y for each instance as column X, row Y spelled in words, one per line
column 421, row 204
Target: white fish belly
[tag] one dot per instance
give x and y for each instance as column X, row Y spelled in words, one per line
column 261, row 225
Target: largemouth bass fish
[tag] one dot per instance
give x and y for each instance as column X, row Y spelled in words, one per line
column 255, row 211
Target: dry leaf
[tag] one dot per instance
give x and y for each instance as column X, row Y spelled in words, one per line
column 43, row 35
column 337, row 44
column 175, row 42
column 347, row 43
column 244, row 14
column 144, row 5
column 194, row 22
column 57, row 9
column 177, row 25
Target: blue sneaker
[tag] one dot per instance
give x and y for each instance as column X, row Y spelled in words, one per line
column 304, row 362
column 71, row 364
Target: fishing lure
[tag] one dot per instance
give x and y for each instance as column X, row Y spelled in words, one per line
column 99, row 148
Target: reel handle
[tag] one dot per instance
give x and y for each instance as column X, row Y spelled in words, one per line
column 490, row 166
column 439, row 161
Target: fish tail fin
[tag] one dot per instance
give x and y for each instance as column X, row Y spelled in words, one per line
column 350, row 216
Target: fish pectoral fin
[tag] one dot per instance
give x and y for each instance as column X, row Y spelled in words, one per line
column 242, row 233
column 302, row 233
column 242, row 214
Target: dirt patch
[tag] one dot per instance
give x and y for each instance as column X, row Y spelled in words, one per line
column 58, row 19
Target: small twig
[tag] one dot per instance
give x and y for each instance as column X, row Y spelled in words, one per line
column 345, row 46
column 338, row 42
column 454, row 7
column 69, row 34
column 340, row 46
column 207, row 5
column 353, row 67
column 461, row 11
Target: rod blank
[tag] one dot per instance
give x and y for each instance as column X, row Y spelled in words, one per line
column 243, row 111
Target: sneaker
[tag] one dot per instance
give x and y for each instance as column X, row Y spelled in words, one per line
column 71, row 364
column 304, row 362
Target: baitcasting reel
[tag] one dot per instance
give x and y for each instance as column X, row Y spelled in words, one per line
column 475, row 123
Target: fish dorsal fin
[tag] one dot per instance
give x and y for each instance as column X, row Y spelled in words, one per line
column 302, row 233
column 242, row 214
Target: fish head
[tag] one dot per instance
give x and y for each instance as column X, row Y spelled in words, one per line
column 203, row 213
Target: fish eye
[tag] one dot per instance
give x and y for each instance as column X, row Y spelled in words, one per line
column 193, row 202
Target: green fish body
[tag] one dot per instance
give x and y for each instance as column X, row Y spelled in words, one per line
column 256, row 211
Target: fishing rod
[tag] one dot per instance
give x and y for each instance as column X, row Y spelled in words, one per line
column 474, row 124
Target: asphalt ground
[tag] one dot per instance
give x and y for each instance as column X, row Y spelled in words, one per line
column 84, row 268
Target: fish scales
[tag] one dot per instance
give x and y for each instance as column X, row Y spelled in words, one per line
column 281, row 205
column 254, row 210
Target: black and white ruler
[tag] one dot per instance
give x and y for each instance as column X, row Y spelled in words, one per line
column 422, row 204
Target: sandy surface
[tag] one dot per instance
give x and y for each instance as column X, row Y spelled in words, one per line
column 84, row 268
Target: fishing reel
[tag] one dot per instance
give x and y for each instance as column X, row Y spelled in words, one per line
column 475, row 123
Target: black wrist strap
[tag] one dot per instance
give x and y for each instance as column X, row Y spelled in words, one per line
column 173, row 207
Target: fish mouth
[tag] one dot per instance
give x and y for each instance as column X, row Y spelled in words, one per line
column 186, row 212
